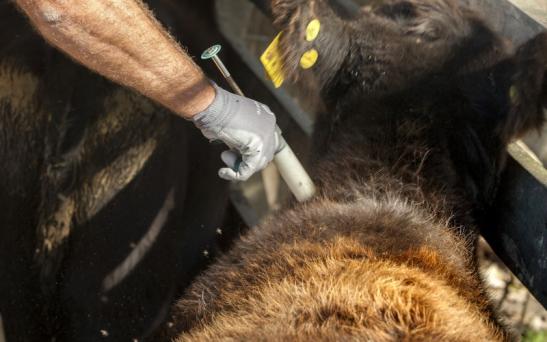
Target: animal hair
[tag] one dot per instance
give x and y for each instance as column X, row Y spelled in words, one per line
column 421, row 99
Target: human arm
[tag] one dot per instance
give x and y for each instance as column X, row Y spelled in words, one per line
column 121, row 40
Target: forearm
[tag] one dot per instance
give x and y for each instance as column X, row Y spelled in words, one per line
column 121, row 40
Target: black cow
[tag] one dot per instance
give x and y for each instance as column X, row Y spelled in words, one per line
column 422, row 99
column 108, row 201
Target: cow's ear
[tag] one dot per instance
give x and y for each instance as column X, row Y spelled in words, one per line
column 528, row 89
column 314, row 39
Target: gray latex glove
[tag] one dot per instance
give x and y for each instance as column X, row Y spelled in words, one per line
column 247, row 127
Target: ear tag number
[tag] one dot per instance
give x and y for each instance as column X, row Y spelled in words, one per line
column 272, row 62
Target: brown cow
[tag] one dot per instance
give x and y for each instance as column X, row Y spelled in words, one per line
column 422, row 98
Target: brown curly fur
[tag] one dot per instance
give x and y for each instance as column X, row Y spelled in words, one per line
column 421, row 100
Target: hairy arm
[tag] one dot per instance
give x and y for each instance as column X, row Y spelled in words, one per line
column 121, row 40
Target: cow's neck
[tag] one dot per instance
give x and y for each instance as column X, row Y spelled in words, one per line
column 386, row 159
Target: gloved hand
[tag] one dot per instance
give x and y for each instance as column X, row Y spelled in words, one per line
column 246, row 126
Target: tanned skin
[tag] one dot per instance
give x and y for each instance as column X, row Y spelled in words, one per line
column 121, row 40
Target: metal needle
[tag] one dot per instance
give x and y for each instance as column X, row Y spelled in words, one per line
column 292, row 171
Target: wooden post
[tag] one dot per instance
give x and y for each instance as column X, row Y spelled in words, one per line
column 535, row 9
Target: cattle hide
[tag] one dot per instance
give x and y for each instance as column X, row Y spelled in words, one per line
column 422, row 98
column 99, row 224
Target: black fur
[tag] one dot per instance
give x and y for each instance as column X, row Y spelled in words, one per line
column 430, row 62
column 422, row 98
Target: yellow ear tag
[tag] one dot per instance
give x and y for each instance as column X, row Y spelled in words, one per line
column 513, row 94
column 312, row 30
column 309, row 58
column 271, row 59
